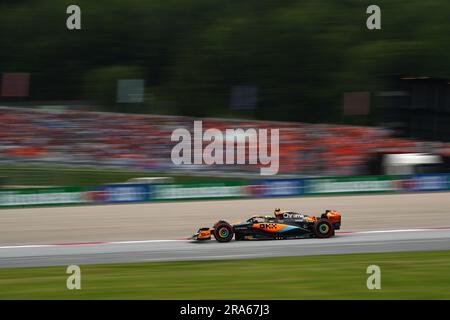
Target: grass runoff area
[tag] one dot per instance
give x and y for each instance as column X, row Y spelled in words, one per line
column 404, row 275
column 60, row 175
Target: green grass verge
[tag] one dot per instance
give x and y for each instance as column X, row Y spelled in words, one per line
column 54, row 175
column 405, row 275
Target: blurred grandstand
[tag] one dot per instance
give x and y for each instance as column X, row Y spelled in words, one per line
column 136, row 141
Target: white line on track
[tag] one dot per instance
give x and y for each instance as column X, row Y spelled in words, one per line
column 175, row 240
column 27, row 246
column 83, row 244
column 141, row 241
column 396, row 230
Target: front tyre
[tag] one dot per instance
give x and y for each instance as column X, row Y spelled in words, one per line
column 323, row 229
column 223, row 231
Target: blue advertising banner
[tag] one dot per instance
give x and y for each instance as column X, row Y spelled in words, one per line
column 429, row 182
column 122, row 193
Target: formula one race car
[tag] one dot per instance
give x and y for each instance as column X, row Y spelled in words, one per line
column 283, row 225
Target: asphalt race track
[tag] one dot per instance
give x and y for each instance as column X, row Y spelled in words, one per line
column 153, row 231
column 170, row 250
column 180, row 219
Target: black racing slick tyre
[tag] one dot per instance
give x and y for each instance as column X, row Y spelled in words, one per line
column 223, row 231
column 323, row 229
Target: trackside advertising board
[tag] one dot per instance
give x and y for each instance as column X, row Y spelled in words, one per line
column 429, row 182
column 43, row 196
column 121, row 193
column 186, row 191
column 276, row 187
column 352, row 184
column 124, row 192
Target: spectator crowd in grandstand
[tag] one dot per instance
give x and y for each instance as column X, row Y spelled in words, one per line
column 144, row 141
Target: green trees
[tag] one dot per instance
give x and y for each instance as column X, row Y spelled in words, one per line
column 300, row 54
column 100, row 84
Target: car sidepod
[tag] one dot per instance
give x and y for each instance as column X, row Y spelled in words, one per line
column 270, row 230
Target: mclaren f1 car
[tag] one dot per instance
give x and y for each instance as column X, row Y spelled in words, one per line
column 282, row 225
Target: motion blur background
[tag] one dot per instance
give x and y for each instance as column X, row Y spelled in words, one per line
column 86, row 117
column 98, row 105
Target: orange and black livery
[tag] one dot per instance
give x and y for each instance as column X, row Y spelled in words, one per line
column 280, row 225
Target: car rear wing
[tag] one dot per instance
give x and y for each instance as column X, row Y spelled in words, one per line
column 334, row 217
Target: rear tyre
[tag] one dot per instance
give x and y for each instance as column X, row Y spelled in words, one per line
column 223, row 231
column 323, row 229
